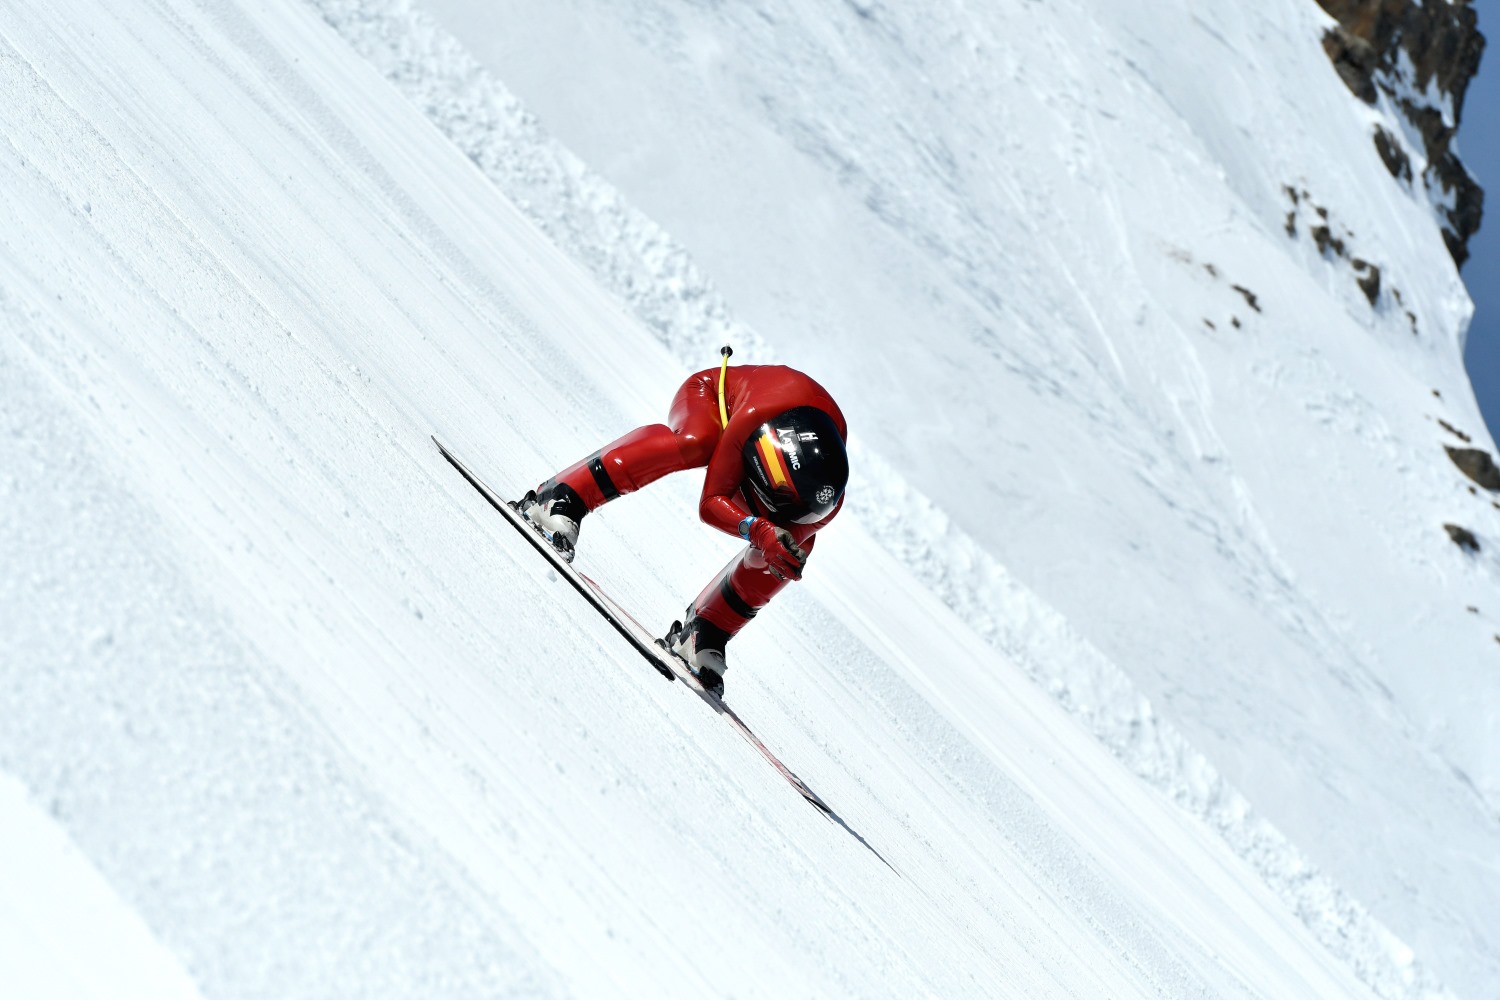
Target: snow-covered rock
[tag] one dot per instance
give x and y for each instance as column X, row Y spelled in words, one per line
column 1415, row 60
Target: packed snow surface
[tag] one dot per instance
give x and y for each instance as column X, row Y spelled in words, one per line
column 308, row 719
column 63, row 931
column 1090, row 274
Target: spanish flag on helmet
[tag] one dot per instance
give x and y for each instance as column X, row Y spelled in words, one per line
column 796, row 467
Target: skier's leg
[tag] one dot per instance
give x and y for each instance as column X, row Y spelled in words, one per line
column 739, row 591
column 622, row 466
column 627, row 464
column 648, row 453
column 726, row 605
column 694, row 418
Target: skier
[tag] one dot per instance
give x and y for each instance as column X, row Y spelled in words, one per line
column 773, row 442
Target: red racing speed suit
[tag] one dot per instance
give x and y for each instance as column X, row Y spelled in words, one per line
column 693, row 438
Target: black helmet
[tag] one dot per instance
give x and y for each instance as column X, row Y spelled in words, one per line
column 796, row 467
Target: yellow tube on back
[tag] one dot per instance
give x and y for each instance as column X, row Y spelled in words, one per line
column 726, row 351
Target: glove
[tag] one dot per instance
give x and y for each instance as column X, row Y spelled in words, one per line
column 784, row 559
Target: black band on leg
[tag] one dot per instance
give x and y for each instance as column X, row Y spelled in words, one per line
column 736, row 603
column 601, row 478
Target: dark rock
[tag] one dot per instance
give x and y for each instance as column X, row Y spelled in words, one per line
column 1477, row 465
column 1454, row 431
column 1446, row 171
column 1326, row 241
column 1440, row 37
column 1355, row 60
column 1467, row 213
column 1441, row 40
column 1462, row 537
column 1392, row 155
column 1369, row 280
column 1249, row 296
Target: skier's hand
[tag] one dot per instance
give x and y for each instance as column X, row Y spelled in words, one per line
column 784, row 559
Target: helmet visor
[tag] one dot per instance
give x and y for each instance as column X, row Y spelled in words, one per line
column 787, row 508
column 789, row 471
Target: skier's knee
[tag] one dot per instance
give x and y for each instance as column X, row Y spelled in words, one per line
column 695, row 449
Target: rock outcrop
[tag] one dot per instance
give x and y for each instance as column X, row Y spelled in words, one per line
column 1477, row 465
column 1421, row 55
column 1462, row 537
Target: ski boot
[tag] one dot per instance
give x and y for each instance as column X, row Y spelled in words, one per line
column 700, row 644
column 556, row 512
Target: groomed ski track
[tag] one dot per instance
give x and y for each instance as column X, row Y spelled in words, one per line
column 317, row 714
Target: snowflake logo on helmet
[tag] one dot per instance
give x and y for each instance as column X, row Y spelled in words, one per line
column 795, row 466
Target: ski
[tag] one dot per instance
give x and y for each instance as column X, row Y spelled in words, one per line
column 633, row 633
column 641, row 638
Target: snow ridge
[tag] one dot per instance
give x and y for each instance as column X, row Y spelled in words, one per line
column 637, row 260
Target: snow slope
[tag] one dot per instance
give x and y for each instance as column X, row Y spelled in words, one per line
column 328, row 728
column 63, row 931
column 325, row 724
column 1174, row 426
column 304, row 703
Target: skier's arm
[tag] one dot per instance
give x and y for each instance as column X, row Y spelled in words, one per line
column 718, row 506
column 722, row 512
